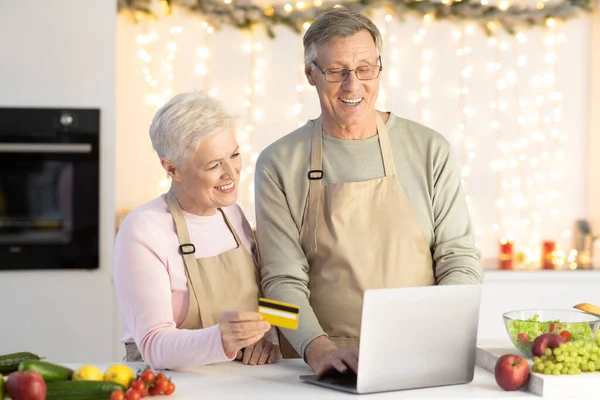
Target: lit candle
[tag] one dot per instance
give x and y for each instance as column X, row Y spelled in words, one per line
column 548, row 248
column 506, row 254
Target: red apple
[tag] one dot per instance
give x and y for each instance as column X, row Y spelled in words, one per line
column 27, row 385
column 544, row 341
column 511, row 372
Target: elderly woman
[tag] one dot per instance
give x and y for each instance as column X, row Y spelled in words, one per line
column 185, row 264
column 356, row 199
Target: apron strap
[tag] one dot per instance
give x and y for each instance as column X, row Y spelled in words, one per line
column 386, row 148
column 238, row 241
column 315, row 176
column 187, row 250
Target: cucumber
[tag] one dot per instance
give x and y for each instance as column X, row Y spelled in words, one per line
column 81, row 390
column 10, row 362
column 50, row 372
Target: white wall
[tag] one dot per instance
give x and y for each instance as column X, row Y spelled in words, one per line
column 593, row 164
column 62, row 54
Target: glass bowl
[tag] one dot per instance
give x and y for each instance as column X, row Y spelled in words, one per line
column 523, row 326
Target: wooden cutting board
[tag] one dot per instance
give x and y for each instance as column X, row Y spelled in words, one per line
column 585, row 385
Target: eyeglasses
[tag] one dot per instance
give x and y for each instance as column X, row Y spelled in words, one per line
column 365, row 73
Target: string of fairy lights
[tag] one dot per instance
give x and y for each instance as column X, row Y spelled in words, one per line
column 525, row 150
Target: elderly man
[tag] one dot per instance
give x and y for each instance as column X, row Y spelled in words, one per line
column 356, row 199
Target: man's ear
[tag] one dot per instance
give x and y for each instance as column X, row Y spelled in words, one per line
column 171, row 169
column 308, row 73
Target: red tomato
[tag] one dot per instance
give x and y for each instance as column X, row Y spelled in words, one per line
column 133, row 395
column 138, row 385
column 566, row 335
column 117, row 395
column 161, row 375
column 523, row 338
column 154, row 391
column 148, row 375
column 161, row 382
column 170, row 389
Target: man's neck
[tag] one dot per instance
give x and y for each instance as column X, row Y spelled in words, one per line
column 364, row 130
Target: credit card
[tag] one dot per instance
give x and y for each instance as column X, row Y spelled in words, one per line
column 280, row 314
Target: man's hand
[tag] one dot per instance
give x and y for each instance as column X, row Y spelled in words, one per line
column 265, row 351
column 323, row 356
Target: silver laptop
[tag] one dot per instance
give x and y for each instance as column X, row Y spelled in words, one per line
column 412, row 338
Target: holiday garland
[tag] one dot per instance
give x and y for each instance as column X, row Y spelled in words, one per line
column 245, row 14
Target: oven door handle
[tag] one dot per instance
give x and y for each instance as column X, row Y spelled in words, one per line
column 45, row 148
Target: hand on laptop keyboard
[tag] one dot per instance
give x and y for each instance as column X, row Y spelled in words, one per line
column 343, row 360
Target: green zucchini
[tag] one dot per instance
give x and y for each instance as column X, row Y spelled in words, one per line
column 81, row 390
column 50, row 372
column 10, row 362
column 2, row 391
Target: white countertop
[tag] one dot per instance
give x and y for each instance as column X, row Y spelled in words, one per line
column 278, row 381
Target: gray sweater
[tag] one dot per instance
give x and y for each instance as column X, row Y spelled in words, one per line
column 425, row 169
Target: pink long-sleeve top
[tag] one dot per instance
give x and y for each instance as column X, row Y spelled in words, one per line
column 151, row 285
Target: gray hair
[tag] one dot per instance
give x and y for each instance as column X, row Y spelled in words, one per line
column 178, row 127
column 333, row 24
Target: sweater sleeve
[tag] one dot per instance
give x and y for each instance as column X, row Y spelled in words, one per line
column 455, row 255
column 143, row 291
column 285, row 268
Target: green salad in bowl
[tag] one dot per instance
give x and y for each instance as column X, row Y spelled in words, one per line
column 524, row 326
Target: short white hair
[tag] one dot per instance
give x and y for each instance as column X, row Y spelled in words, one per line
column 181, row 124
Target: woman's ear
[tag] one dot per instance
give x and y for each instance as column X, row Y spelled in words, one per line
column 171, row 169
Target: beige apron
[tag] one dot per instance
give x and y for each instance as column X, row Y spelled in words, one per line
column 226, row 282
column 358, row 236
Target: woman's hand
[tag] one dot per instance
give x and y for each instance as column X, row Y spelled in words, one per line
column 265, row 351
column 240, row 329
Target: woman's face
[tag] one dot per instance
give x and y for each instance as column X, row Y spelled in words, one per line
column 210, row 176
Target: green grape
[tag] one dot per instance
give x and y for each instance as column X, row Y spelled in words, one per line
column 565, row 370
column 536, row 360
column 556, row 372
column 557, row 351
column 548, row 371
column 572, row 371
column 560, row 358
column 581, row 351
column 558, row 366
column 594, row 357
column 574, row 353
column 548, row 351
column 587, row 346
column 543, row 358
column 563, row 346
column 584, row 367
column 591, row 366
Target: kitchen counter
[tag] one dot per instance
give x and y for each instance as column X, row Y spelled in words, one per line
column 278, row 381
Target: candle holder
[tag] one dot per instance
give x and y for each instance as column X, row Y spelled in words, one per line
column 548, row 254
column 505, row 260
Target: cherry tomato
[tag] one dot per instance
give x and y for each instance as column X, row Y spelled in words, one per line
column 566, row 335
column 170, row 389
column 523, row 338
column 148, row 375
column 154, row 391
column 133, row 395
column 161, row 382
column 138, row 385
column 161, row 375
column 117, row 395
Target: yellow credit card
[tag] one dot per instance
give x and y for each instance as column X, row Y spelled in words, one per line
column 280, row 314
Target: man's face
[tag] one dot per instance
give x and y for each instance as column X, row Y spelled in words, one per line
column 350, row 102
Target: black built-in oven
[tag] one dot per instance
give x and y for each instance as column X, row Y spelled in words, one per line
column 49, row 188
